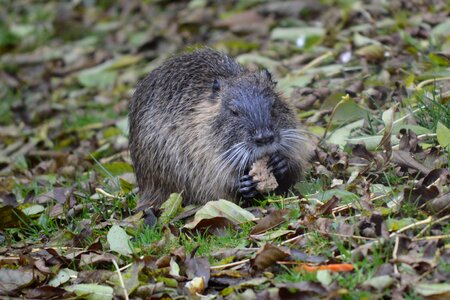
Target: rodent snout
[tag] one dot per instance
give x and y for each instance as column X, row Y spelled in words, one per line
column 263, row 138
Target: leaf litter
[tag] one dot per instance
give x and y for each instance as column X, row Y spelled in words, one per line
column 370, row 81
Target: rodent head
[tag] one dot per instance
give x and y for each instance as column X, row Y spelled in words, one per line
column 252, row 120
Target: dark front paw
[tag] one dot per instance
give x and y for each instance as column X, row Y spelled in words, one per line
column 278, row 164
column 247, row 187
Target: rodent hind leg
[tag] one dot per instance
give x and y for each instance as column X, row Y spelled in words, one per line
column 247, row 187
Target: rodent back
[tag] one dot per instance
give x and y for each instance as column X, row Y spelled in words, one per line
column 183, row 81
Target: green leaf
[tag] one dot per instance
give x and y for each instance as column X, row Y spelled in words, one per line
column 33, row 210
column 432, row 289
column 115, row 168
column 380, row 282
column 170, row 208
column 441, row 30
column 130, row 279
column 62, row 277
column 98, row 80
column 125, row 185
column 324, row 277
column 443, row 135
column 394, row 224
column 345, row 196
column 118, row 240
column 341, row 135
column 288, row 83
column 124, row 61
column 92, row 291
column 265, row 62
column 294, row 33
column 221, row 208
column 372, row 142
column 348, row 111
column 371, row 52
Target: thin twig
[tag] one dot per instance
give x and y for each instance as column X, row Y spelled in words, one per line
column 106, row 194
column 236, row 263
column 357, row 237
column 435, row 237
column 395, row 251
column 315, row 62
column 122, row 284
column 431, row 224
column 426, row 221
column 125, row 267
column 426, row 82
column 295, row 238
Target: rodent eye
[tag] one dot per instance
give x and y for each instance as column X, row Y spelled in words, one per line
column 234, row 111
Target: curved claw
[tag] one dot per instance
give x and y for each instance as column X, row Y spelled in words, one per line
column 247, row 187
column 278, row 164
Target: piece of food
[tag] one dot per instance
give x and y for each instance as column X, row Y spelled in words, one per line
column 265, row 178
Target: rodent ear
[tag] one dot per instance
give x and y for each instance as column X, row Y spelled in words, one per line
column 216, row 86
column 268, row 75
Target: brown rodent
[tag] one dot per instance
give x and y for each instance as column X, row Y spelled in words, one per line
column 200, row 120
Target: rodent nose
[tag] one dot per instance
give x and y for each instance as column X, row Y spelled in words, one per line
column 264, row 138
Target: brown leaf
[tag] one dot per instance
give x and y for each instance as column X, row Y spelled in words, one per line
column 11, row 280
column 373, row 53
column 360, row 150
column 270, row 221
column 373, row 227
column 419, row 263
column 328, row 206
column 421, row 194
column 267, row 256
column 94, row 258
column 237, row 253
column 179, row 253
column 434, row 175
column 147, row 290
column 198, row 267
column 60, row 194
column 93, row 276
column 247, row 21
column 297, row 255
column 46, row 292
column 440, row 204
column 301, row 290
column 405, row 160
column 216, row 225
column 408, row 141
column 11, row 217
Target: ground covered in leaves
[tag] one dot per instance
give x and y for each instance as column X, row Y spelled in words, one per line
column 370, row 80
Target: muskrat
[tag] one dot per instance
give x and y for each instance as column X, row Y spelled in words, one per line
column 198, row 122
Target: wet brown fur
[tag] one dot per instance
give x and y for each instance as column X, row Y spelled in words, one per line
column 176, row 137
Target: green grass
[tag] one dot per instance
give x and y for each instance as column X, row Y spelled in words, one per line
column 431, row 110
column 204, row 244
column 290, row 275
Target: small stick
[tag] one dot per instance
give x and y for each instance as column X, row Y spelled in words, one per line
column 435, row 237
column 426, row 82
column 236, row 263
column 295, row 238
column 106, row 194
column 125, row 267
column 122, row 284
column 431, row 224
column 315, row 62
column 358, row 237
column 394, row 253
column 426, row 221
